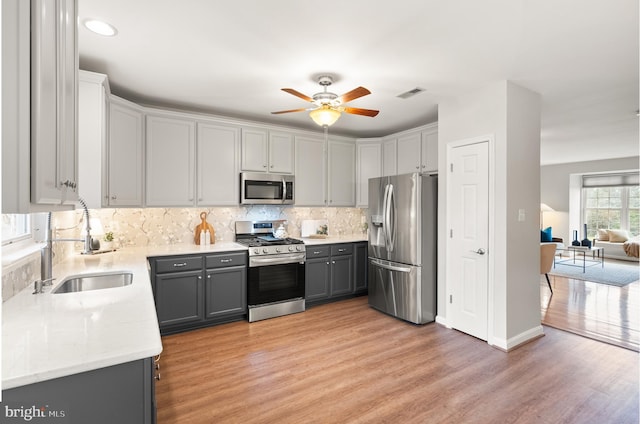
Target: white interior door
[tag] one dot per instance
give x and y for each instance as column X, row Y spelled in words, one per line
column 468, row 207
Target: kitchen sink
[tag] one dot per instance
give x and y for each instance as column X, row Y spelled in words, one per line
column 95, row 281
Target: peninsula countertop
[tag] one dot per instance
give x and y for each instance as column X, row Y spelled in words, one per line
column 46, row 336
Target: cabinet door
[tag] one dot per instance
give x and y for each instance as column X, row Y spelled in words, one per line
column 125, row 155
column 226, row 291
column 170, row 161
column 429, row 151
column 218, row 159
column 179, row 297
column 389, row 153
column 341, row 172
column 54, row 76
column 317, row 279
column 310, row 186
column 409, row 153
column 281, row 153
column 368, row 165
column 360, row 257
column 254, row 150
column 341, row 275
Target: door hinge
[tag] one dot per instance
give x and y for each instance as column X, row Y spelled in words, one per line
column 451, row 233
column 451, row 167
column 450, row 298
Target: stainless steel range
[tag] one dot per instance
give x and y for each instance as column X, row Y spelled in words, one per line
column 275, row 281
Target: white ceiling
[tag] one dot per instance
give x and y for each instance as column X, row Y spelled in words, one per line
column 232, row 58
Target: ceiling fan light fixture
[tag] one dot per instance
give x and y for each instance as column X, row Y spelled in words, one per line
column 325, row 115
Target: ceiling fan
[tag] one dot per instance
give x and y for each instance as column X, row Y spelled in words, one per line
column 329, row 106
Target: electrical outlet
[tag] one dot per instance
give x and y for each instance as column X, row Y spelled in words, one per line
column 520, row 215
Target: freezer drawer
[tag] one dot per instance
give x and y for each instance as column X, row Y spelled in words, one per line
column 399, row 290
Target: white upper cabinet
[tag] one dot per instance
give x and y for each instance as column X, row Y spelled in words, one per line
column 93, row 115
column 54, row 94
column 368, row 165
column 218, row 150
column 170, row 159
column 389, row 156
column 341, row 173
column 430, row 150
column 310, row 171
column 16, row 141
column 267, row 151
column 408, row 153
column 125, row 155
column 418, row 151
column 281, row 148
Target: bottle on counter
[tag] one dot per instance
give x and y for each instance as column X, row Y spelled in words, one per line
column 207, row 238
column 202, row 238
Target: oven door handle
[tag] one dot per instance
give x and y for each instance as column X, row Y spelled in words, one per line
column 289, row 259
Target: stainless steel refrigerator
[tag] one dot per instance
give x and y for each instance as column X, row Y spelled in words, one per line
column 402, row 220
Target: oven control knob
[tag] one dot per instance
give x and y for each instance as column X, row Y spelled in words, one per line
column 278, row 250
column 256, row 251
column 290, row 248
column 265, row 250
column 299, row 248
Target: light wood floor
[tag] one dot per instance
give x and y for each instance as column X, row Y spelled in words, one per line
column 347, row 363
column 600, row 311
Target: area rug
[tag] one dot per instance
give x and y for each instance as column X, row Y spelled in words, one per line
column 615, row 273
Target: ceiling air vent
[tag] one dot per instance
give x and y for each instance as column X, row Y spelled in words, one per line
column 411, row 93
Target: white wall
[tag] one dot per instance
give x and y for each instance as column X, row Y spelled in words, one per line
column 555, row 190
column 511, row 115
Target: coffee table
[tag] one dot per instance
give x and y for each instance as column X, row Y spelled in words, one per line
column 597, row 257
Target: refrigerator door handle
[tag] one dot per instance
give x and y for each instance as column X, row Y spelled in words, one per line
column 391, row 219
column 389, row 266
column 385, row 223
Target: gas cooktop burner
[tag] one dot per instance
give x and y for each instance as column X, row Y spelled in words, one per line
column 266, row 241
column 259, row 237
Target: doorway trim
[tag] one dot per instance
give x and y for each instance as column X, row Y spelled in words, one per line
column 490, row 140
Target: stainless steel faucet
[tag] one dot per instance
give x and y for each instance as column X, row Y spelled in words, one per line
column 46, row 254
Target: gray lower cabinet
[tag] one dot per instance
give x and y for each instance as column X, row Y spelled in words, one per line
column 360, row 258
column 193, row 291
column 178, row 290
column 123, row 394
column 335, row 272
column 226, row 285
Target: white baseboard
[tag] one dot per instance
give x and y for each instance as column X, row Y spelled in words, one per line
column 442, row 321
column 518, row 339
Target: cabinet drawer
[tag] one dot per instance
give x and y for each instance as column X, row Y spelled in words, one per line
column 226, row 259
column 317, row 251
column 341, row 249
column 179, row 263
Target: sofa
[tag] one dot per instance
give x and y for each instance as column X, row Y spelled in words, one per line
column 616, row 243
column 546, row 237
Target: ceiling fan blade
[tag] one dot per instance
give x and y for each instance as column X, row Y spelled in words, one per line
column 354, row 94
column 288, row 111
column 298, row 94
column 359, row 111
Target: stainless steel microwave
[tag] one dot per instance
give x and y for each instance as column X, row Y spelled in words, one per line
column 258, row 188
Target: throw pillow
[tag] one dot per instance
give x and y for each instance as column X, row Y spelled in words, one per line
column 618, row 236
column 545, row 235
column 603, row 235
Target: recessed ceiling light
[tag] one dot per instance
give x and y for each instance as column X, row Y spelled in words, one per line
column 100, row 27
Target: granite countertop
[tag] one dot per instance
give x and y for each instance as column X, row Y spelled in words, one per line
column 47, row 336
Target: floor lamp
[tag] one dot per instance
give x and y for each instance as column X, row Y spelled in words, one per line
column 544, row 208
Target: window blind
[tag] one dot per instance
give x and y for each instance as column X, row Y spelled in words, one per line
column 611, row 180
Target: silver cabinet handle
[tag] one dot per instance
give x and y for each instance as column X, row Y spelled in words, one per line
column 180, row 265
column 480, row 251
column 342, row 250
column 226, row 261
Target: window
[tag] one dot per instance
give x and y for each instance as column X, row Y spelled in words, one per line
column 611, row 201
column 15, row 227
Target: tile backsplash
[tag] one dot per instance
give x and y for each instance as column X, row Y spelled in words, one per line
column 166, row 226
